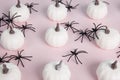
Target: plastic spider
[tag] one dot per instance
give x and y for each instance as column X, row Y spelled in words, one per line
column 9, row 20
column 31, row 6
column 75, row 54
column 25, row 27
column 69, row 6
column 84, row 33
column 3, row 58
column 19, row 58
column 96, row 28
column 69, row 25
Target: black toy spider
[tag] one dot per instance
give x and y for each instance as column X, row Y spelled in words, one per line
column 25, row 27
column 69, row 6
column 3, row 58
column 69, row 25
column 84, row 33
column 20, row 57
column 31, row 6
column 96, row 28
column 75, row 54
column 9, row 20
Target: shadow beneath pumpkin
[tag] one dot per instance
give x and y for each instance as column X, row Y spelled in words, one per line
column 92, row 70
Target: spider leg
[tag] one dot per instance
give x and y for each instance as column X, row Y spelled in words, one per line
column 118, row 56
column 67, row 55
column 82, row 39
column 22, row 63
column 78, row 38
column 26, row 58
column 70, row 2
column 66, row 28
column 4, row 56
column 32, row 29
column 76, row 6
column 34, row 9
column 78, row 60
column 69, row 58
column 118, row 52
column 24, row 33
column 96, row 35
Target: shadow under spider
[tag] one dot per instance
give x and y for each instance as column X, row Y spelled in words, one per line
column 25, row 27
column 69, row 6
column 69, row 25
column 31, row 7
column 9, row 20
column 19, row 58
column 83, row 34
column 75, row 53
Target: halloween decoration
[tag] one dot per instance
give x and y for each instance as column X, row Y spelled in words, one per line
column 25, row 27
column 108, row 39
column 75, row 53
column 9, row 71
column 97, row 9
column 31, row 6
column 19, row 58
column 56, row 36
column 12, row 38
column 69, row 25
column 56, row 71
column 57, row 11
column 84, row 33
column 20, row 9
column 4, row 58
column 108, row 70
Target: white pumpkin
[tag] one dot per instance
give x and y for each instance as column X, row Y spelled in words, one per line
column 97, row 9
column 108, row 70
column 12, row 41
column 9, row 71
column 56, row 36
column 57, row 13
column 56, row 71
column 108, row 41
column 21, row 10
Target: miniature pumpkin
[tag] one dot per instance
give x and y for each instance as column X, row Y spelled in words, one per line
column 57, row 11
column 12, row 39
column 108, row 70
column 56, row 71
column 56, row 36
column 9, row 71
column 97, row 9
column 108, row 40
column 21, row 10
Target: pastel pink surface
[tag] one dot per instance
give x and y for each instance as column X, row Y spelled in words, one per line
column 36, row 46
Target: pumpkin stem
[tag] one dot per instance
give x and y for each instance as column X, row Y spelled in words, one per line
column 114, row 65
column 57, row 3
column 57, row 29
column 5, row 69
column 58, row 66
column 18, row 4
column 11, row 30
column 96, row 2
column 107, row 31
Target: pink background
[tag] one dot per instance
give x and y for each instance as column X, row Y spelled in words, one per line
column 42, row 53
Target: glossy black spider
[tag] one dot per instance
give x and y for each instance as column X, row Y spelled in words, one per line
column 9, row 20
column 20, row 57
column 75, row 54
column 3, row 58
column 69, row 25
column 31, row 6
column 25, row 27
column 69, row 6
column 84, row 33
column 96, row 28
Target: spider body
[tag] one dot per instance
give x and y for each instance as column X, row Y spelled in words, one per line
column 19, row 58
column 75, row 53
column 84, row 33
column 31, row 6
column 69, row 6
column 9, row 20
column 69, row 25
column 26, row 27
